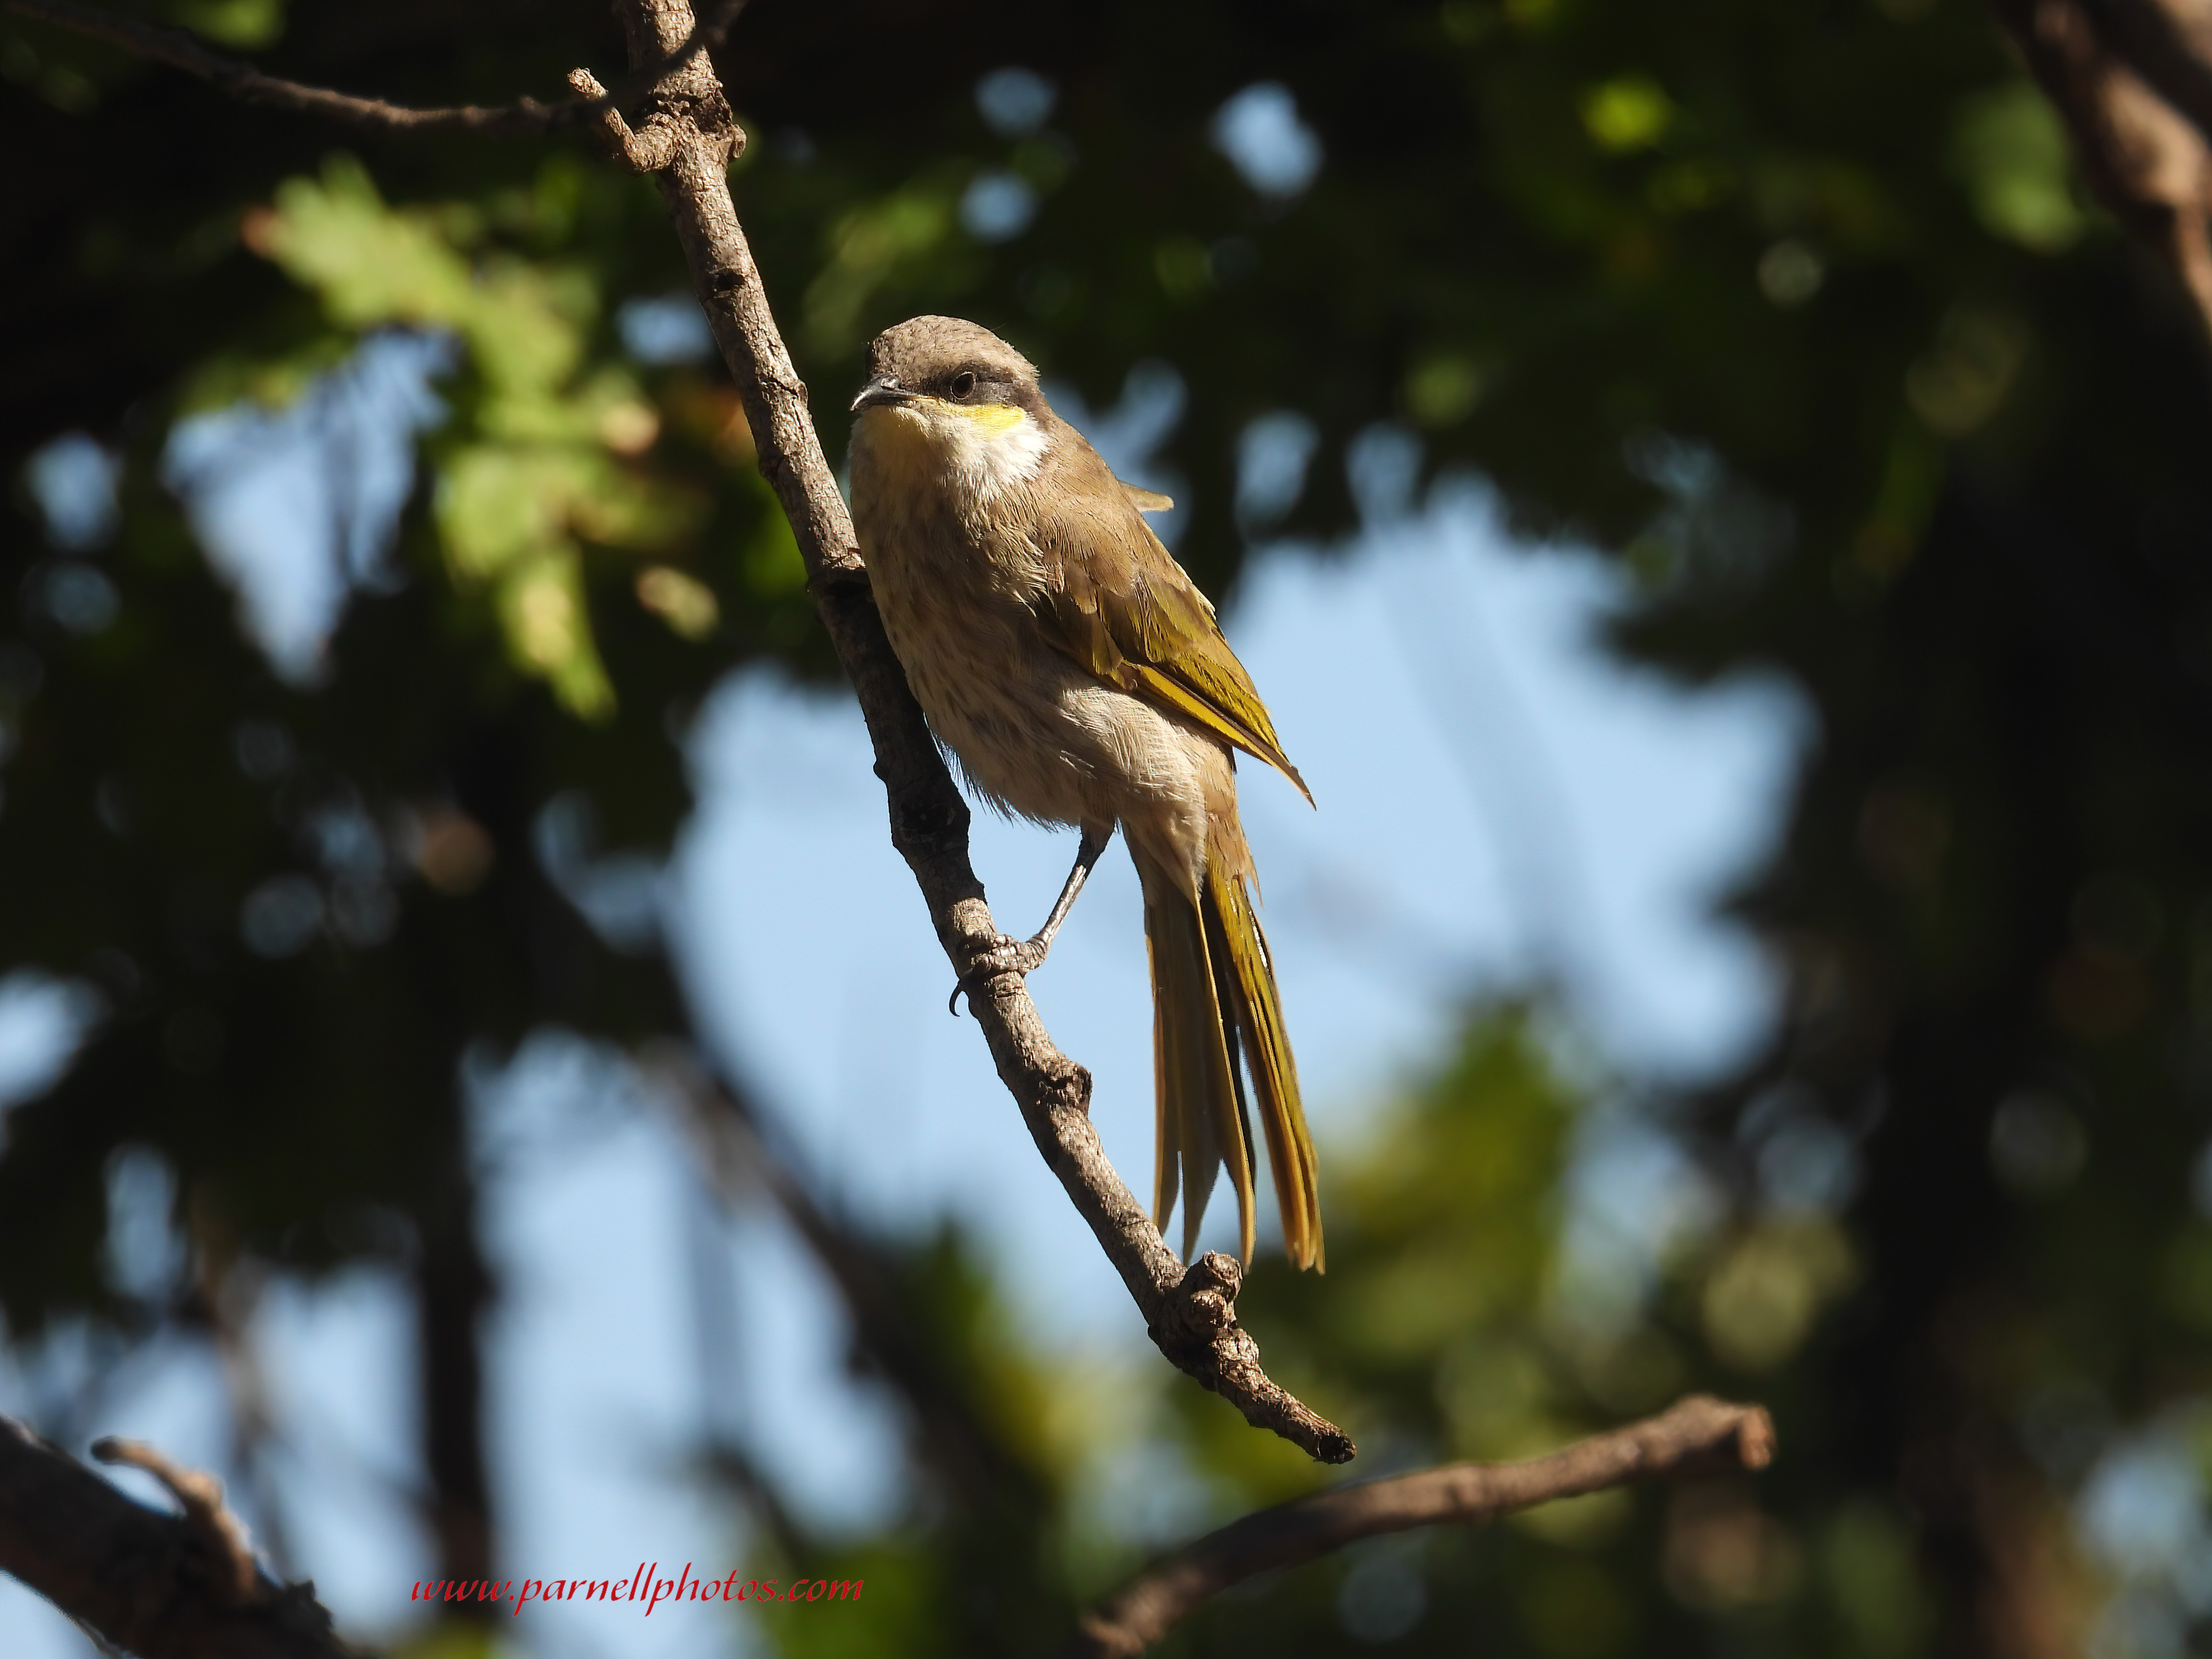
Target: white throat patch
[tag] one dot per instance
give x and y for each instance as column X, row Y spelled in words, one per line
column 914, row 452
column 988, row 451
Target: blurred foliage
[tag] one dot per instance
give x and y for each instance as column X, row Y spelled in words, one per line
column 1463, row 1317
column 1793, row 306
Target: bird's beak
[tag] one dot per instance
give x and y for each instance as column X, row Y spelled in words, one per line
column 882, row 390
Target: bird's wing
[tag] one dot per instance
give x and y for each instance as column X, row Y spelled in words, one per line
column 1118, row 604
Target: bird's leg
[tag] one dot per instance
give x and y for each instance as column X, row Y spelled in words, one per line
column 1025, row 957
column 1087, row 852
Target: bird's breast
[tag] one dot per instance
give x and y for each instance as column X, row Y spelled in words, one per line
column 956, row 573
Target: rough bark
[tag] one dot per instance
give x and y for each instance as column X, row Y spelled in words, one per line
column 163, row 1586
column 1697, row 1433
column 686, row 141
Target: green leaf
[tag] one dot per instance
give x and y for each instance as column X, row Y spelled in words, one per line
column 541, row 607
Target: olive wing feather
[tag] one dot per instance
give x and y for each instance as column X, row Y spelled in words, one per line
column 1117, row 603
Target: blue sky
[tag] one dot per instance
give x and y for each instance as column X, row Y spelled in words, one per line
column 1498, row 799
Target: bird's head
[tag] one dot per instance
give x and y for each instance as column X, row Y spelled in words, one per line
column 955, row 403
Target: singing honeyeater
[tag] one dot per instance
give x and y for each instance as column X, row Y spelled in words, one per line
column 1079, row 678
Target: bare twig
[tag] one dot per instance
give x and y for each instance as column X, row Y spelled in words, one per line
column 161, row 1586
column 652, row 146
column 1697, row 1433
column 237, row 1577
column 249, row 85
column 2145, row 159
column 1190, row 1313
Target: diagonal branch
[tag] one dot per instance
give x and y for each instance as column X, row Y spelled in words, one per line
column 249, row 85
column 2169, row 44
column 1696, row 1433
column 686, row 141
column 161, row 1586
column 2146, row 161
column 1190, row 1313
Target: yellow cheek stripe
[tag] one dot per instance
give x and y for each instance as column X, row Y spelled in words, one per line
column 992, row 418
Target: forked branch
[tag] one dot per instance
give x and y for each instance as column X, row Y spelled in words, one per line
column 1696, row 1433
column 182, row 1586
column 249, row 85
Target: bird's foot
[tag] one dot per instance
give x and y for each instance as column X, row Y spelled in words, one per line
column 1009, row 955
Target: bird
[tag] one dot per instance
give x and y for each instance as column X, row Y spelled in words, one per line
column 1078, row 677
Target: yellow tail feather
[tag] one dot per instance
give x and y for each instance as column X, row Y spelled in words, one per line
column 1213, row 994
column 1236, row 934
column 1193, row 1071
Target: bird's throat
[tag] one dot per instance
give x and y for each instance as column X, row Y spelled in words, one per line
column 969, row 455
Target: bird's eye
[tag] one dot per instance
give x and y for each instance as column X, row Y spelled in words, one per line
column 963, row 384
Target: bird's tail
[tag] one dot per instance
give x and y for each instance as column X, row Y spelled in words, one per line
column 1213, row 992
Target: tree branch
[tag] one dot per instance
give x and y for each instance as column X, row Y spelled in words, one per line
column 249, row 85
column 161, row 1586
column 1696, row 1433
column 2169, row 44
column 686, row 141
column 2144, row 159
column 1189, row 1313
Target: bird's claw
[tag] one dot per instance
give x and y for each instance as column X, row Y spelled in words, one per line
column 1009, row 955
